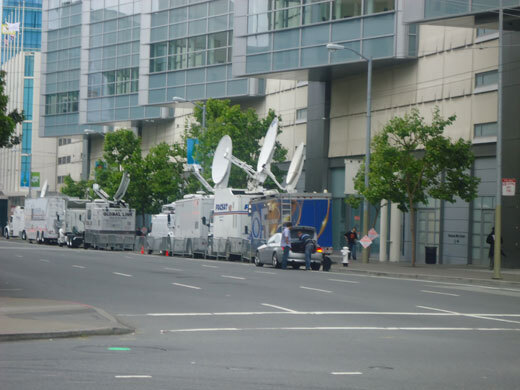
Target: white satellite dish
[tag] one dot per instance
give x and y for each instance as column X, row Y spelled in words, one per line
column 221, row 166
column 102, row 194
column 295, row 169
column 44, row 189
column 123, row 186
column 267, row 151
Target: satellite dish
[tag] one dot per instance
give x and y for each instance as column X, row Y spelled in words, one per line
column 123, row 186
column 44, row 189
column 102, row 194
column 266, row 154
column 295, row 169
column 221, row 166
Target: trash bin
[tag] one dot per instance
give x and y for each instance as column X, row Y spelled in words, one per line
column 431, row 254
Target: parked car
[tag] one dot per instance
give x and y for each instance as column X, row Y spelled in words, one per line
column 271, row 252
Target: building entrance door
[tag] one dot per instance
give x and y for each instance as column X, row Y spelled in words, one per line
column 483, row 222
column 427, row 232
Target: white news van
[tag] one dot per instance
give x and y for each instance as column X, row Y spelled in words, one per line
column 16, row 226
column 192, row 217
column 43, row 218
column 162, row 230
column 72, row 229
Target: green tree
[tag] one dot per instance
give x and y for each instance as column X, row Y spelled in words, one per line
column 8, row 120
column 245, row 129
column 79, row 189
column 413, row 161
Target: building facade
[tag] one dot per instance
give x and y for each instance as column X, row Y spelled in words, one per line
column 130, row 63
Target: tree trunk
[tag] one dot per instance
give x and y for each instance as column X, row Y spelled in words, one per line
column 412, row 230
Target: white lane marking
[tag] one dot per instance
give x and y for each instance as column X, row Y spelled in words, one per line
column 324, row 313
column 481, row 316
column 233, row 277
column 128, row 257
column 343, row 281
column 315, row 289
column 186, row 285
column 78, row 266
column 266, row 272
column 321, row 328
column 172, row 269
column 120, row 274
column 45, row 261
column 439, row 293
column 10, row 289
column 346, row 373
column 209, row 266
column 133, row 376
column 279, row 307
column 20, row 256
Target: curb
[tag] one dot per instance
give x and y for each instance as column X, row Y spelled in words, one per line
column 437, row 278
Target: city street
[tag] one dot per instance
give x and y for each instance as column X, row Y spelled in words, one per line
column 206, row 324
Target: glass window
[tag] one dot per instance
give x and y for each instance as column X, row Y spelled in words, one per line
column 287, row 18
column 482, row 32
column 177, row 47
column 158, row 49
column 315, row 56
column 197, row 27
column 285, row 59
column 346, row 9
column 436, row 8
column 486, row 78
column 197, row 43
column 315, row 35
column 375, row 6
column 217, row 40
column 197, row 11
column 378, row 25
column 486, row 129
column 378, row 48
column 178, row 15
column 159, row 19
column 218, row 56
column 177, row 62
column 347, row 30
column 197, row 59
column 258, row 63
column 286, row 39
column 316, row 13
column 285, row 3
column 258, row 43
column 217, row 7
column 217, row 23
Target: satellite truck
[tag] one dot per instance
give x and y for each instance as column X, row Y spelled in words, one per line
column 43, row 217
column 162, row 230
column 271, row 211
column 110, row 224
column 16, row 226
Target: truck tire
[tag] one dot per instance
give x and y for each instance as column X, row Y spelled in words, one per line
column 24, row 235
column 257, row 260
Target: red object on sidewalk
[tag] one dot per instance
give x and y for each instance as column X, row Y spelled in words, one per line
column 142, row 250
column 167, row 254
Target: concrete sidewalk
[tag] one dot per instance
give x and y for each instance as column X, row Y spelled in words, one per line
column 26, row 319
column 449, row 273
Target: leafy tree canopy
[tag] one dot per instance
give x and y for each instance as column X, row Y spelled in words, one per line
column 245, row 129
column 413, row 161
column 8, row 120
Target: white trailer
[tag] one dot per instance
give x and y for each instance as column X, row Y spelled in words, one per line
column 192, row 217
column 43, row 218
column 162, row 230
column 16, row 226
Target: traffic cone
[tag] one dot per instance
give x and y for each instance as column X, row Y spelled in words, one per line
column 142, row 249
column 167, row 254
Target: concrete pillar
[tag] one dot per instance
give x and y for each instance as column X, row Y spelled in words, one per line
column 383, row 234
column 396, row 217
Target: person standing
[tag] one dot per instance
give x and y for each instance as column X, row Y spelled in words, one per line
column 352, row 238
column 307, row 242
column 491, row 241
column 286, row 243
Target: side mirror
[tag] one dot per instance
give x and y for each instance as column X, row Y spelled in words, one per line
column 203, row 220
column 246, row 230
column 169, row 219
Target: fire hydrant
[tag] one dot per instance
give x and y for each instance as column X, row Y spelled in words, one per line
column 345, row 252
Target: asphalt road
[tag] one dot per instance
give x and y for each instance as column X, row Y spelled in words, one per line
column 206, row 324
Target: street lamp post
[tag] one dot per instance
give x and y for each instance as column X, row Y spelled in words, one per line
column 334, row 47
column 30, row 172
column 177, row 99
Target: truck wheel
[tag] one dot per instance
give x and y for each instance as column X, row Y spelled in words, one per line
column 276, row 262
column 189, row 251
column 24, row 235
column 38, row 238
column 257, row 260
column 315, row 266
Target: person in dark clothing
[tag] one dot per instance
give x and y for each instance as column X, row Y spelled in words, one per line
column 351, row 238
column 309, row 245
column 491, row 241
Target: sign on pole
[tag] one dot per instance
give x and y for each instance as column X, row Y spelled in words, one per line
column 372, row 234
column 365, row 242
column 508, row 187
